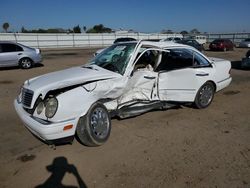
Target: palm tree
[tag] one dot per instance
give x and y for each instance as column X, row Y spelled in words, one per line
column 6, row 26
column 84, row 28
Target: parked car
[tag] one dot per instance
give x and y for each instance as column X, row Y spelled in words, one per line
column 221, row 45
column 122, row 39
column 173, row 39
column 245, row 43
column 201, row 39
column 145, row 76
column 15, row 54
column 192, row 42
column 245, row 63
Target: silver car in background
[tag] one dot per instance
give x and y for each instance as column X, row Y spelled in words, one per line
column 15, row 54
column 245, row 43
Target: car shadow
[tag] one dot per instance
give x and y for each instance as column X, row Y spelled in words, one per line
column 58, row 170
column 17, row 67
column 237, row 65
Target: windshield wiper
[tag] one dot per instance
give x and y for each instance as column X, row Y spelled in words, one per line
column 90, row 67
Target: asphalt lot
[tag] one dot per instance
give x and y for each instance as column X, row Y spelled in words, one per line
column 182, row 147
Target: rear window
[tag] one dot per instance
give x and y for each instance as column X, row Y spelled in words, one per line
column 124, row 40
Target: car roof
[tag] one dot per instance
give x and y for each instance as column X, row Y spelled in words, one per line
column 124, row 39
column 160, row 44
column 163, row 44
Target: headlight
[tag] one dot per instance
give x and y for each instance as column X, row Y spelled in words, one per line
column 39, row 108
column 51, row 107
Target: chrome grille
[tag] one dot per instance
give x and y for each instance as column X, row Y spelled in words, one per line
column 27, row 96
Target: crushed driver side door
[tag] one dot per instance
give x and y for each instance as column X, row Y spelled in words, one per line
column 141, row 91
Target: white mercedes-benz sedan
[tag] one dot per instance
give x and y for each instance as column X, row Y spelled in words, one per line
column 126, row 79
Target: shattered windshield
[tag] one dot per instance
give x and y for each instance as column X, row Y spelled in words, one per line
column 115, row 58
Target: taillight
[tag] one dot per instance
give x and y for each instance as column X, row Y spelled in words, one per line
column 221, row 44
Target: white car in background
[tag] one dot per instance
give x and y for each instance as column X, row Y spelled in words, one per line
column 201, row 39
column 121, row 39
column 145, row 76
column 15, row 54
column 171, row 39
column 245, row 43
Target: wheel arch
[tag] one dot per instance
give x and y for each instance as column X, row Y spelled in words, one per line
column 84, row 132
column 24, row 57
column 214, row 84
column 196, row 101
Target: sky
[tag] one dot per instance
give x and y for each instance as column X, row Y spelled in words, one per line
column 212, row 16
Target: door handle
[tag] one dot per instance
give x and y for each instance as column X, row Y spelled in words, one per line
column 149, row 77
column 19, row 53
column 202, row 74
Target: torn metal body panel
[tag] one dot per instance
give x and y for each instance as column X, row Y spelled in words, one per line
column 126, row 79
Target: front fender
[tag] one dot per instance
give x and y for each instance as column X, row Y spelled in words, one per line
column 74, row 104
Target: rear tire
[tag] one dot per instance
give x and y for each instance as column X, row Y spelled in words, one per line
column 25, row 63
column 205, row 95
column 94, row 128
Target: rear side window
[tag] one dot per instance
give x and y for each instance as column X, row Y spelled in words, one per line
column 200, row 61
column 11, row 48
column 181, row 58
column 19, row 48
column 176, row 59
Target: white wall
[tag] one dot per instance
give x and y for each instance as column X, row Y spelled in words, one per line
column 74, row 40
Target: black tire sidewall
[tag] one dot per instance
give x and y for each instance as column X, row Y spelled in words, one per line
column 197, row 101
column 21, row 65
column 85, row 132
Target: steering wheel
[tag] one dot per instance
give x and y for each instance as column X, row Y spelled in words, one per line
column 115, row 58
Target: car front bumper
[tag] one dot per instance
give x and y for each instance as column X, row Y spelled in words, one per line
column 46, row 131
column 38, row 59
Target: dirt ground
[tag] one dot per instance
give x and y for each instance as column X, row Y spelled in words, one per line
column 182, row 147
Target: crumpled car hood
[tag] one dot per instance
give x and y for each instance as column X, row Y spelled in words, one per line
column 68, row 77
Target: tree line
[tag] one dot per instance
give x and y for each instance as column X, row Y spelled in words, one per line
column 99, row 28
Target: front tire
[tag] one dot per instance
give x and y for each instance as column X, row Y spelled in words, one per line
column 25, row 63
column 205, row 95
column 94, row 128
